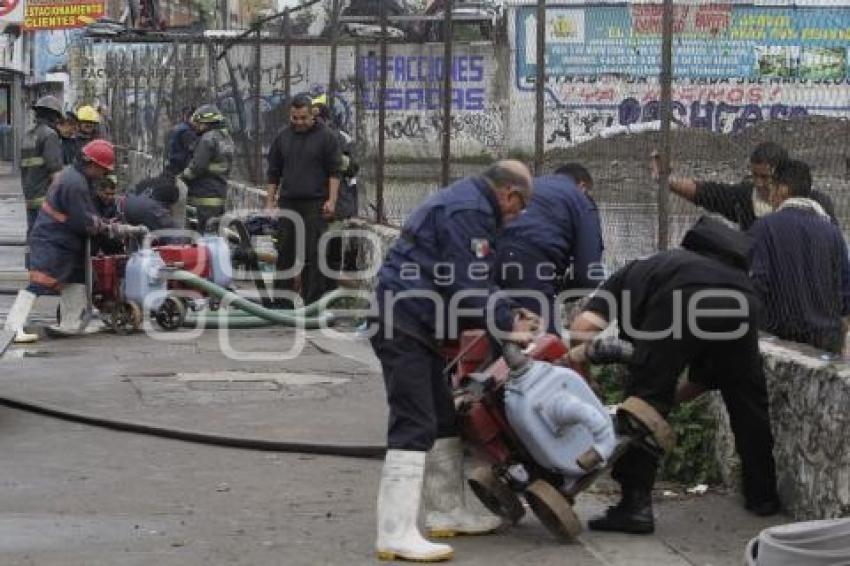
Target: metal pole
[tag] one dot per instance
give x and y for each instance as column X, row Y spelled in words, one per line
column 177, row 101
column 213, row 69
column 19, row 119
column 258, row 138
column 171, row 61
column 448, row 38
column 539, row 87
column 125, row 87
column 360, row 114
column 666, row 80
column 334, row 42
column 135, row 71
column 148, row 143
column 382, row 117
column 287, row 61
column 361, row 141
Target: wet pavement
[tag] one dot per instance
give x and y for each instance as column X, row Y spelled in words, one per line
column 72, row 494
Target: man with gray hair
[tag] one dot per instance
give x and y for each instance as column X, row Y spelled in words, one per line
column 437, row 276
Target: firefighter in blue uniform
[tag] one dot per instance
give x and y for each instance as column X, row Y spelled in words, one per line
column 41, row 155
column 444, row 254
column 67, row 217
column 556, row 245
column 210, row 166
column 148, row 203
column 181, row 143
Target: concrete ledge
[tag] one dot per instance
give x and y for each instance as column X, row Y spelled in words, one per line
column 241, row 196
column 810, row 413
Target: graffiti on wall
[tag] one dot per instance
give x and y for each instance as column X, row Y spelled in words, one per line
column 582, row 109
column 414, row 101
column 485, row 128
column 413, row 98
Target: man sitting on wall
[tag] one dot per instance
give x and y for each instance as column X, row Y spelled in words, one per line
column 800, row 267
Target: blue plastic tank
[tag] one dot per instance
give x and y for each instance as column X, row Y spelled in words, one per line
column 557, row 417
column 144, row 283
column 222, row 267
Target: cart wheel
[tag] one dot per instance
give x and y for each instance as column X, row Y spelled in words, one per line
column 553, row 510
column 642, row 419
column 125, row 318
column 171, row 314
column 495, row 494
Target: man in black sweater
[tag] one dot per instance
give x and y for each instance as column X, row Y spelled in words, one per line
column 800, row 268
column 696, row 308
column 742, row 202
column 303, row 177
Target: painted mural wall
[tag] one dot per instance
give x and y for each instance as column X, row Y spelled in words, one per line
column 413, row 98
column 734, row 65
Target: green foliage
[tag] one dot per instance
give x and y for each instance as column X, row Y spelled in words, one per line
column 609, row 379
column 693, row 460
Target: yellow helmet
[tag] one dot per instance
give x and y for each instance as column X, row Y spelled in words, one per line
column 321, row 100
column 88, row 114
column 207, row 114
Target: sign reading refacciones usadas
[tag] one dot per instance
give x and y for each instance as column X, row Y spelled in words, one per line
column 53, row 14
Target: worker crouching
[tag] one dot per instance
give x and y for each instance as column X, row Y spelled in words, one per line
column 424, row 462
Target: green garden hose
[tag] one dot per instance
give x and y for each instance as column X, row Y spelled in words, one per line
column 253, row 315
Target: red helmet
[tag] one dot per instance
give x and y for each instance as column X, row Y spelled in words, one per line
column 100, row 152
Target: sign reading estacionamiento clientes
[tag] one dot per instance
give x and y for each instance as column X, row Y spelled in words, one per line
column 53, row 14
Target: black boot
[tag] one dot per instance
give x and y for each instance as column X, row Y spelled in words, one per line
column 764, row 508
column 633, row 514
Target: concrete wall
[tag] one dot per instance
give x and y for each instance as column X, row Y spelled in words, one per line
column 809, row 397
column 809, row 400
column 414, row 125
column 737, row 65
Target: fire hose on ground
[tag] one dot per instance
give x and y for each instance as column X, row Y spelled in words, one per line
column 254, row 315
column 314, row 315
column 362, row 451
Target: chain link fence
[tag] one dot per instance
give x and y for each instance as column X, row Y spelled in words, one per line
column 741, row 74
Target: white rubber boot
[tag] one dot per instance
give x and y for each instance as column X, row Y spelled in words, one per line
column 72, row 305
column 446, row 510
column 18, row 315
column 398, row 511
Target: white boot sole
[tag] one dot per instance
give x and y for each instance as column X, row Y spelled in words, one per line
column 449, row 532
column 395, row 555
column 23, row 338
